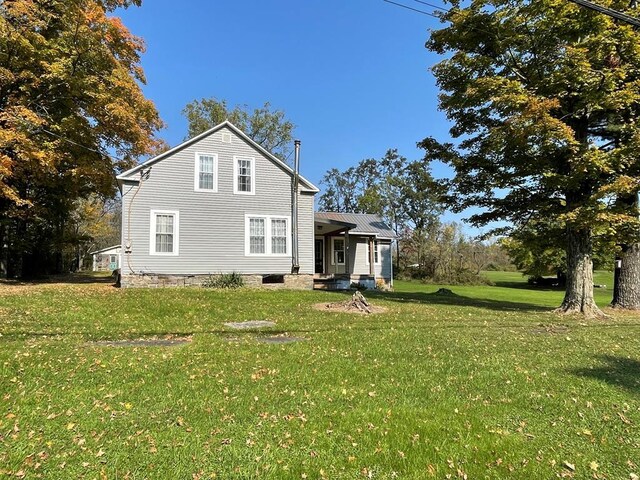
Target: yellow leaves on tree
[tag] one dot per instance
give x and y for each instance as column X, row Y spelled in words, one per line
column 69, row 91
column 72, row 114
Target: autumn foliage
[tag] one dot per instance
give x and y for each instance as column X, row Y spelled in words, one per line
column 72, row 114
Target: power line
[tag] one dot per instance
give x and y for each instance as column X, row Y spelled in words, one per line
column 608, row 11
column 65, row 139
column 583, row 3
column 437, row 7
column 413, row 9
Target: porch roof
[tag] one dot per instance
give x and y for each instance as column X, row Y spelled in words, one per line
column 358, row 223
column 330, row 225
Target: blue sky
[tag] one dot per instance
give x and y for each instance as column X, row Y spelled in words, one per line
column 353, row 75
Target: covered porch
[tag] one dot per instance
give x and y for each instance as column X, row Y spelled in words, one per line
column 335, row 247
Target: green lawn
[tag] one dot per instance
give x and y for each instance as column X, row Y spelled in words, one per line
column 485, row 383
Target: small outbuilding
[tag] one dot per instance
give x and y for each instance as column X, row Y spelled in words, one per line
column 107, row 259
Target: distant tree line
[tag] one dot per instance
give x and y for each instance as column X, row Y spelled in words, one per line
column 405, row 194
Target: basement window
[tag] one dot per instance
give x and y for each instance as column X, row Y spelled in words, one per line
column 270, row 279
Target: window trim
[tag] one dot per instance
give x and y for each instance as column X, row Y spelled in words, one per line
column 287, row 236
column 333, row 250
column 376, row 246
column 267, row 233
column 248, row 235
column 235, row 174
column 196, row 176
column 176, row 233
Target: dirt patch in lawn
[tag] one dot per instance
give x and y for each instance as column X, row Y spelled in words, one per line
column 346, row 307
column 279, row 339
column 250, row 324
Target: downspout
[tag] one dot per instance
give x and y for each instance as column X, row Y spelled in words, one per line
column 391, row 260
column 295, row 260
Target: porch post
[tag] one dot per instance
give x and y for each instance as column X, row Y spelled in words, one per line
column 372, row 267
column 347, row 249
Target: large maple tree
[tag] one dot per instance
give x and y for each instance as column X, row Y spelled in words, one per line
column 544, row 97
column 72, row 113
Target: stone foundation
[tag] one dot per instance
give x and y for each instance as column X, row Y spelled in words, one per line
column 291, row 282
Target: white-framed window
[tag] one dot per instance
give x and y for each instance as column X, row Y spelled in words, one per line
column 244, row 173
column 337, row 251
column 376, row 252
column 206, row 172
column 267, row 235
column 257, row 236
column 279, row 236
column 164, row 232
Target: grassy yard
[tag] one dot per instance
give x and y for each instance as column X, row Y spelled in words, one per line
column 486, row 383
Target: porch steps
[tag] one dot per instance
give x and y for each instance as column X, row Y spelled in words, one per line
column 327, row 281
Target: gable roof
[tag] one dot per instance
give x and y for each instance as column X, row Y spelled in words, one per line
column 364, row 223
column 104, row 249
column 303, row 181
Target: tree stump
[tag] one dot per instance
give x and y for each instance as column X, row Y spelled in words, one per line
column 359, row 302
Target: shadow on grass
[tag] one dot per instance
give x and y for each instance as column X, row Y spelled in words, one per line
column 72, row 279
column 526, row 286
column 616, row 371
column 453, row 299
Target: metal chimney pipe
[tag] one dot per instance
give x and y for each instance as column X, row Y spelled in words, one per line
column 295, row 267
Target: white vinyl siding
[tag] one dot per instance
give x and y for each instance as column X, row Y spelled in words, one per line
column 206, row 172
column 337, row 251
column 212, row 225
column 244, row 175
column 163, row 238
column 266, row 235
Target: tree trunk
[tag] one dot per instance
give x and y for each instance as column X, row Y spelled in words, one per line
column 628, row 287
column 4, row 243
column 578, row 296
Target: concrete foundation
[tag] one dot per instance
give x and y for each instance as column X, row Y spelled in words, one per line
column 291, row 282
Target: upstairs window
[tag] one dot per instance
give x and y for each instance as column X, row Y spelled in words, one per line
column 206, row 168
column 164, row 233
column 244, row 175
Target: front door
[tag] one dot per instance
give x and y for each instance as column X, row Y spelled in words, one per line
column 319, row 255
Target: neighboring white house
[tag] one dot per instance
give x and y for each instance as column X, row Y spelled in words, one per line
column 220, row 203
column 107, row 259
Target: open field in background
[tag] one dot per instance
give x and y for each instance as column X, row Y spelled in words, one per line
column 486, row 383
